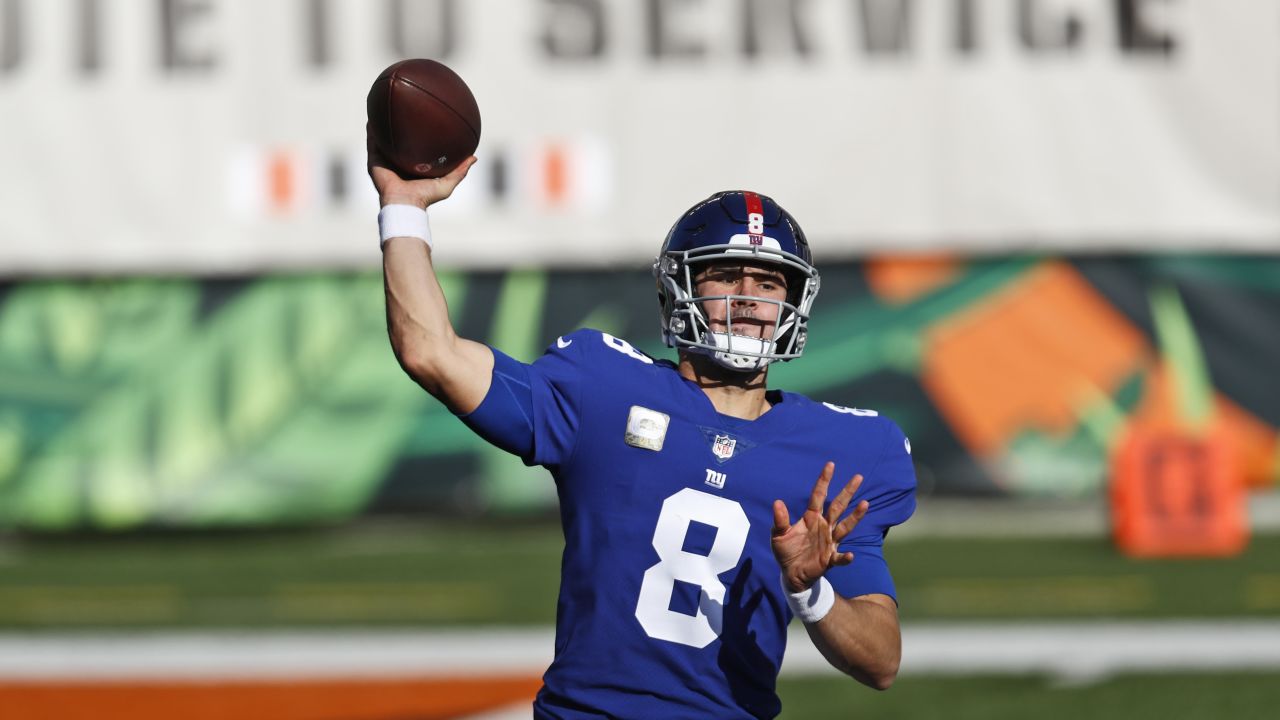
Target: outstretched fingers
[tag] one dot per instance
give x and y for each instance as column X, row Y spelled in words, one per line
column 842, row 500
column 848, row 524
column 819, row 495
column 781, row 518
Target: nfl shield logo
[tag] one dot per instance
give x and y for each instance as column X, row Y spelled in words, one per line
column 723, row 447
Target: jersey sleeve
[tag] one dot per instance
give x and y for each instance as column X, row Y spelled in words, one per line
column 891, row 492
column 558, row 379
column 534, row 410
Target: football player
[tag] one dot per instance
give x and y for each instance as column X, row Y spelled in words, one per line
column 694, row 529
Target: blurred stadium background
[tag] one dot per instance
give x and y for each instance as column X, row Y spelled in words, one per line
column 1048, row 233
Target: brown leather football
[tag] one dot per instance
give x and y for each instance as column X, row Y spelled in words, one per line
column 423, row 118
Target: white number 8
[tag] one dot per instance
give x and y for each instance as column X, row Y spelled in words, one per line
column 852, row 411
column 653, row 609
column 625, row 348
column 755, row 224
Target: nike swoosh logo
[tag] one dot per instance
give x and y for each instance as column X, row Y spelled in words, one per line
column 562, row 343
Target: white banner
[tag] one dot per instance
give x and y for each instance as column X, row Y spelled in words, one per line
column 227, row 135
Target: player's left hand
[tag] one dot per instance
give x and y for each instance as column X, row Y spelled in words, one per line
column 807, row 549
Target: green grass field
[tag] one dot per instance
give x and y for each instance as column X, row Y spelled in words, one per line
column 433, row 574
column 422, row 574
column 1128, row 697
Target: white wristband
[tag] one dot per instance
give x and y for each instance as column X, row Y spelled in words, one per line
column 813, row 604
column 404, row 221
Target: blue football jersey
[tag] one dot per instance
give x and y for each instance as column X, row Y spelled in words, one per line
column 670, row 602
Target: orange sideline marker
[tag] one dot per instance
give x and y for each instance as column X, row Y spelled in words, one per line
column 1177, row 494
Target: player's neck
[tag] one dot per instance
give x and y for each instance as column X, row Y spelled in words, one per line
column 732, row 393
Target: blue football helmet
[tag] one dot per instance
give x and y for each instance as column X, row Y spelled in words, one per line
column 737, row 226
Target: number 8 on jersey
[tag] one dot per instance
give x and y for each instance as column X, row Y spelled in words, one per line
column 675, row 563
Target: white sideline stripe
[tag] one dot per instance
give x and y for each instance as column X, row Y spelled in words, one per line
column 1068, row 649
column 1083, row 649
column 277, row 655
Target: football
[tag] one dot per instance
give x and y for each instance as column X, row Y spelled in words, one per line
column 423, row 118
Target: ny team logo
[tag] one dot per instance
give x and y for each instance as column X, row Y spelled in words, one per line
column 723, row 447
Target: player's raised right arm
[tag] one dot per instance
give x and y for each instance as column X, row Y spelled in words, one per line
column 455, row 370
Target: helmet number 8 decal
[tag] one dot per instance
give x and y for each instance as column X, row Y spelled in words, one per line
column 653, row 609
column 755, row 224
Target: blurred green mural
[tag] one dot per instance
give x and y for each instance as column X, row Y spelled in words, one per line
column 129, row 403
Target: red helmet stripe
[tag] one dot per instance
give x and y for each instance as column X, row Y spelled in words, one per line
column 754, row 207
